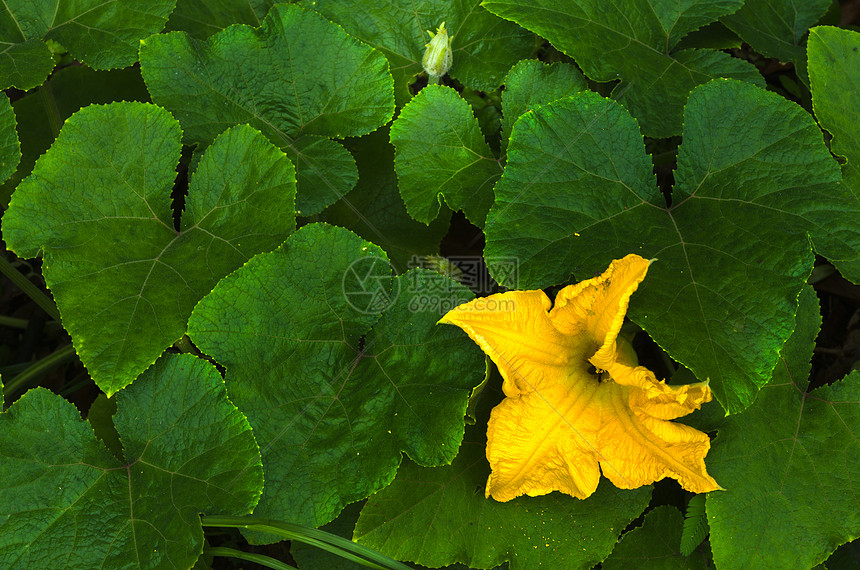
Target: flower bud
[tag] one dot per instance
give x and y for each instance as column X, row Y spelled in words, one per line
column 438, row 56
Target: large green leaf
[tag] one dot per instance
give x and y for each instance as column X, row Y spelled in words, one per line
column 484, row 46
column 66, row 502
column 441, row 154
column 375, row 211
column 834, row 73
column 789, row 465
column 98, row 206
column 754, row 182
column 298, row 78
column 654, row 545
column 333, row 390
column 10, row 148
column 439, row 516
column 634, row 40
column 777, row 28
column 104, row 34
column 41, row 112
column 202, row 18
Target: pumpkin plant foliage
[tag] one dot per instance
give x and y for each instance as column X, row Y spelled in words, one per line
column 256, row 223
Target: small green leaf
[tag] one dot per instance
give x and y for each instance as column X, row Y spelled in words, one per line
column 777, row 28
column 67, row 502
column 298, row 78
column 441, row 154
column 439, row 516
column 336, row 363
column 10, row 148
column 578, row 191
column 834, row 73
column 713, row 36
column 789, row 465
column 42, row 112
column 635, row 41
column 375, row 211
column 654, row 545
column 485, row 46
column 531, row 83
column 202, row 18
column 695, row 525
column 102, row 34
column 98, row 206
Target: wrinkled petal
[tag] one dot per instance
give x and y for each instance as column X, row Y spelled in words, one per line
column 515, row 331
column 639, row 449
column 535, row 445
column 595, row 308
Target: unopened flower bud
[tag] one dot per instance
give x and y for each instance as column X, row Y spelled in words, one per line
column 438, row 56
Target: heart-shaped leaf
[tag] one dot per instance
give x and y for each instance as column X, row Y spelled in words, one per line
column 66, row 502
column 578, row 191
column 336, row 363
column 98, row 205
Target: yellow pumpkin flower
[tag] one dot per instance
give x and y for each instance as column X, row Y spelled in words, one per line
column 576, row 398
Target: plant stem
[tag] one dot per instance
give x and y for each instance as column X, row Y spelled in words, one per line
column 29, row 289
column 36, row 370
column 12, row 322
column 51, row 110
column 315, row 537
column 249, row 556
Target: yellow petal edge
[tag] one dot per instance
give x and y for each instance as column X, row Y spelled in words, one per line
column 576, row 401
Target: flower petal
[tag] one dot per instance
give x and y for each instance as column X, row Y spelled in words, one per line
column 536, row 445
column 639, row 449
column 595, row 308
column 515, row 331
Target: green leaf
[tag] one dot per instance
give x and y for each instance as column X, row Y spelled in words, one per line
column 98, row 206
column 485, row 46
column 777, row 28
column 441, row 154
column 42, row 112
column 202, row 18
column 578, row 191
column 332, row 412
column 654, row 545
column 531, row 83
column 375, row 211
column 789, row 465
column 102, row 34
column 635, row 41
column 695, row 525
column 439, row 516
column 65, row 501
column 834, row 73
column 299, row 79
column 713, row 36
column 10, row 148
